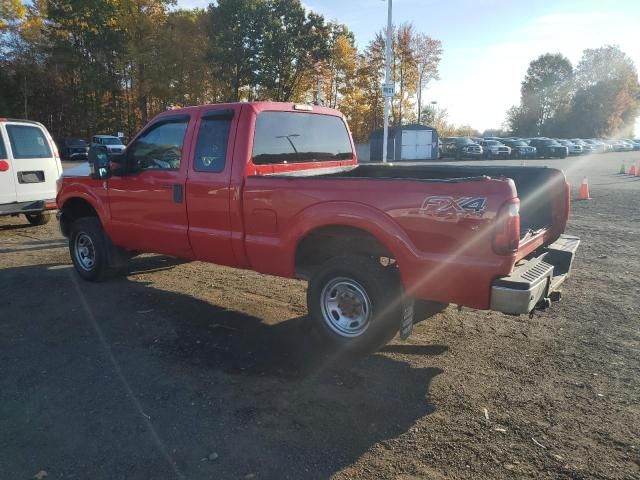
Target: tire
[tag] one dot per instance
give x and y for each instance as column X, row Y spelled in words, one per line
column 89, row 249
column 373, row 294
column 41, row 218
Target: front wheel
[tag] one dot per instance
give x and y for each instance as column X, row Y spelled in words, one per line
column 41, row 218
column 355, row 304
column 89, row 249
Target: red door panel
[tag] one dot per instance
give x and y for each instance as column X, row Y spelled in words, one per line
column 148, row 204
column 208, row 190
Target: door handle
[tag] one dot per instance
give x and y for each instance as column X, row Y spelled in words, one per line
column 178, row 194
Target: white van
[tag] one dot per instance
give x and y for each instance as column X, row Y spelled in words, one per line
column 29, row 169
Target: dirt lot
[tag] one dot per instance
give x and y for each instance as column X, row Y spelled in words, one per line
column 188, row 370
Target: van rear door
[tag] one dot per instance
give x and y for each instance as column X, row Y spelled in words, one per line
column 7, row 173
column 33, row 154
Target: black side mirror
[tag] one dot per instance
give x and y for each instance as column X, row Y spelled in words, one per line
column 99, row 162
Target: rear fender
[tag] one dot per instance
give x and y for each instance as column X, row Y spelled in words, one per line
column 347, row 214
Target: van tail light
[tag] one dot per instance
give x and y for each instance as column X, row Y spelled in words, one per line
column 506, row 238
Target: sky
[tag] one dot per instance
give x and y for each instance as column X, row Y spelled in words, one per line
column 488, row 44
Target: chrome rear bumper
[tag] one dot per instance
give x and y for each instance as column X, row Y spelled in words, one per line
column 532, row 282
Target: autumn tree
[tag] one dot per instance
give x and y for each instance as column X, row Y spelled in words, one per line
column 607, row 99
column 404, row 71
column 427, row 54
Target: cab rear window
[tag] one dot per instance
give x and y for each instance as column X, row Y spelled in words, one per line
column 3, row 152
column 295, row 137
column 28, row 142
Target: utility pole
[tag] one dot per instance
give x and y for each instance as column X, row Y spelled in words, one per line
column 387, row 89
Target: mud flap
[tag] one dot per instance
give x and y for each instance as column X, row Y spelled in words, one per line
column 408, row 317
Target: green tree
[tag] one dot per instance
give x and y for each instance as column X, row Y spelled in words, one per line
column 235, row 31
column 546, row 90
column 292, row 43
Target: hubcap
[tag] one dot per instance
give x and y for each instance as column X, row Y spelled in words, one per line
column 346, row 307
column 85, row 251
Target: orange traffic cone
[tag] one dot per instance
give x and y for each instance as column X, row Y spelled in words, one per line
column 584, row 190
column 633, row 169
column 637, row 171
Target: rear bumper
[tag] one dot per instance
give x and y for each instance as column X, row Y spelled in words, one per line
column 531, row 284
column 27, row 207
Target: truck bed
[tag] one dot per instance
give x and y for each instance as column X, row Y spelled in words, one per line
column 537, row 187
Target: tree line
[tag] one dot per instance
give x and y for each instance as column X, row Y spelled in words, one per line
column 600, row 97
column 100, row 66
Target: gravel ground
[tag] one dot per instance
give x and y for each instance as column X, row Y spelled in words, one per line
column 189, row 370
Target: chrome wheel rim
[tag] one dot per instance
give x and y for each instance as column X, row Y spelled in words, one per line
column 85, row 251
column 346, row 307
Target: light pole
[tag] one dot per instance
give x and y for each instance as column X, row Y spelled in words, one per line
column 387, row 92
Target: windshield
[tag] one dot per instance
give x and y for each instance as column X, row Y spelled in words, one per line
column 518, row 143
column 293, row 137
column 464, row 141
column 111, row 141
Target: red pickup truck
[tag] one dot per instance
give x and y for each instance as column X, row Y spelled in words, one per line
column 276, row 188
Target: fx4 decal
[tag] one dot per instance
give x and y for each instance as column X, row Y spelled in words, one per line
column 453, row 206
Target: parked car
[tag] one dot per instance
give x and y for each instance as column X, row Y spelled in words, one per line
column 573, row 148
column 460, row 147
column 596, row 145
column 29, row 169
column 549, row 148
column 587, row 148
column 74, row 149
column 291, row 200
column 629, row 145
column 521, row 149
column 636, row 143
column 495, row 149
column 113, row 144
column 618, row 145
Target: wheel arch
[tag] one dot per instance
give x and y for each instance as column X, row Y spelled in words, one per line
column 341, row 228
column 75, row 207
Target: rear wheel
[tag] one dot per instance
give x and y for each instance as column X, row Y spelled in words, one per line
column 355, row 304
column 41, row 218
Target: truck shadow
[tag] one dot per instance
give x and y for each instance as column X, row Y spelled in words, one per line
column 150, row 382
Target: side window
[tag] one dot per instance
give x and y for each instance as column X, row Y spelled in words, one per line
column 28, row 142
column 211, row 147
column 160, row 147
column 3, row 151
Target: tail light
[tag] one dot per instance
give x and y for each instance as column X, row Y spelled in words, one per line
column 568, row 189
column 507, row 230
